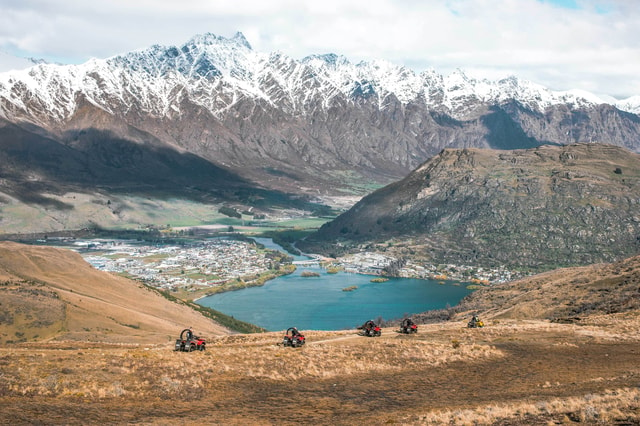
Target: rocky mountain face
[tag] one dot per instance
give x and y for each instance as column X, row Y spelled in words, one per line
column 538, row 208
column 312, row 126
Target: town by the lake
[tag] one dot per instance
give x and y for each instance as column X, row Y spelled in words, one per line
column 213, row 263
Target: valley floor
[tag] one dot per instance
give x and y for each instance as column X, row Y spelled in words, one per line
column 510, row 372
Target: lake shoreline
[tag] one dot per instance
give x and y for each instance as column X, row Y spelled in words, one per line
column 320, row 302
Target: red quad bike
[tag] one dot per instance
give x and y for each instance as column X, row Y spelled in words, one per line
column 370, row 329
column 408, row 326
column 189, row 342
column 293, row 338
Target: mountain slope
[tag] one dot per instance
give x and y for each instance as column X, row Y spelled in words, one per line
column 536, row 208
column 563, row 295
column 62, row 183
column 53, row 294
column 314, row 126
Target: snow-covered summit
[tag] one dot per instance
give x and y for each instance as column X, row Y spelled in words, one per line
column 631, row 104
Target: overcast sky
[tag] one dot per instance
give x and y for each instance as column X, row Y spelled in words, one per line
column 592, row 45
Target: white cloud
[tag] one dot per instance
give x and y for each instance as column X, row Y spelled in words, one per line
column 587, row 44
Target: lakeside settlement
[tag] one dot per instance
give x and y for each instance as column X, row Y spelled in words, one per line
column 221, row 264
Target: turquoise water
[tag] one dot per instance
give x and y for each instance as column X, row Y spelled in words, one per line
column 318, row 303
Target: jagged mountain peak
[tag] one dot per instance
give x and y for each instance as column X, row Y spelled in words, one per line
column 238, row 40
column 204, row 55
column 313, row 125
column 631, row 104
column 329, row 60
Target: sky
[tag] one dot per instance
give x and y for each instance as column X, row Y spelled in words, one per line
column 590, row 45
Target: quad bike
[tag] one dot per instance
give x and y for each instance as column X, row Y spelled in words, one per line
column 293, row 338
column 408, row 326
column 370, row 329
column 189, row 342
column 475, row 322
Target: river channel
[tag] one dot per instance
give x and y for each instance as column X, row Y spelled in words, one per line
column 319, row 303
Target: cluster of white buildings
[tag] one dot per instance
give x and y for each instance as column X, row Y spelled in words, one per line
column 463, row 273
column 366, row 262
column 203, row 264
column 212, row 262
column 374, row 263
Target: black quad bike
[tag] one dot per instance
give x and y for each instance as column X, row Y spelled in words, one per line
column 408, row 326
column 293, row 338
column 189, row 342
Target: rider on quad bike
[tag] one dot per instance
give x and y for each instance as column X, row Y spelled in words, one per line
column 189, row 342
column 293, row 338
column 408, row 326
column 370, row 329
column 475, row 322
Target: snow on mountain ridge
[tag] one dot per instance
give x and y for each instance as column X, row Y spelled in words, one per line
column 631, row 104
column 10, row 62
column 216, row 72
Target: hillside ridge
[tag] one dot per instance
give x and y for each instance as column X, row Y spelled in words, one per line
column 54, row 295
column 539, row 208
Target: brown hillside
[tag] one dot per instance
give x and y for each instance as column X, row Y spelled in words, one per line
column 53, row 294
column 566, row 294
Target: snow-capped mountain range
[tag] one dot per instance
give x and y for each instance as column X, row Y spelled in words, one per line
column 213, row 71
column 298, row 125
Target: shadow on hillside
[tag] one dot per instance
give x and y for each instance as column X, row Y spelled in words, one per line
column 505, row 133
column 32, row 164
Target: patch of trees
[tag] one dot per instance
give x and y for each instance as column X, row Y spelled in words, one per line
column 229, row 211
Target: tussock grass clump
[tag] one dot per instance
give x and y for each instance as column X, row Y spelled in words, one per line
column 613, row 406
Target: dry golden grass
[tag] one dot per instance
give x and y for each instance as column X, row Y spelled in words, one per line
column 510, row 372
column 568, row 293
column 111, row 371
column 326, row 356
column 605, row 409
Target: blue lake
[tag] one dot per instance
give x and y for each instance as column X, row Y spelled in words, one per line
column 318, row 303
